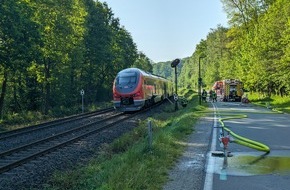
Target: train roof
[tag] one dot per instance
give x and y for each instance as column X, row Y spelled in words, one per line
column 144, row 73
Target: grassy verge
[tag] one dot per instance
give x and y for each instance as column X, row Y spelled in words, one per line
column 276, row 102
column 19, row 120
column 129, row 163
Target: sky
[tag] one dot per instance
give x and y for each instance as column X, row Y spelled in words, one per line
column 168, row 29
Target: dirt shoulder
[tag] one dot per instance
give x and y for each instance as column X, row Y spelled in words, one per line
column 189, row 171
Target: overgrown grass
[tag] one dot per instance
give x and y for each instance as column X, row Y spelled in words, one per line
column 276, row 102
column 129, row 162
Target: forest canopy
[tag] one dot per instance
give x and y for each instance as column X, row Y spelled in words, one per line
column 51, row 50
column 255, row 48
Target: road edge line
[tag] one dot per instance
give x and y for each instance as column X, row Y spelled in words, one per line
column 208, row 182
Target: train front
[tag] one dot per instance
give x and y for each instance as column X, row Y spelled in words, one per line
column 127, row 90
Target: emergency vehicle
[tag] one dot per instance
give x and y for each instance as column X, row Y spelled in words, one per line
column 229, row 90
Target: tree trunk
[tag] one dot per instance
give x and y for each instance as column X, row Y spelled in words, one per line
column 47, row 88
column 16, row 106
column 72, row 85
column 3, row 93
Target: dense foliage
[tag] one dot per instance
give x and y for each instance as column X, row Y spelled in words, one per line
column 50, row 50
column 255, row 48
column 164, row 69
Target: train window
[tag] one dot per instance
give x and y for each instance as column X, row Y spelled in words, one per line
column 127, row 78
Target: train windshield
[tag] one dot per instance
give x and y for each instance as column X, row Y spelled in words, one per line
column 127, row 78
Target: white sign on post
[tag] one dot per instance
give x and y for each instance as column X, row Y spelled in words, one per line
column 82, row 93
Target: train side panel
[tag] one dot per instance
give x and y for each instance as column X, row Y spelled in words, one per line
column 147, row 90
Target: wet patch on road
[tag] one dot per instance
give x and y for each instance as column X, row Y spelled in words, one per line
column 248, row 164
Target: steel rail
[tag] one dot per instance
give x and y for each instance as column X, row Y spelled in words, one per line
column 11, row 164
column 21, row 131
column 14, row 163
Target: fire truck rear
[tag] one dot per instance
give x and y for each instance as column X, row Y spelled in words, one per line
column 229, row 90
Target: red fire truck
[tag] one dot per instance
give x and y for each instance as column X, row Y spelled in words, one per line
column 229, row 89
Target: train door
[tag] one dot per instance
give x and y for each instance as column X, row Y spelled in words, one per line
column 165, row 95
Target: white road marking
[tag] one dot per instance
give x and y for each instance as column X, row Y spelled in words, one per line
column 208, row 182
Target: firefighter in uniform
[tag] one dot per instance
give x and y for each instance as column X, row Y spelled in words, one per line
column 214, row 96
column 204, row 95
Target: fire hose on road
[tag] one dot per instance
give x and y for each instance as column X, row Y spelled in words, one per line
column 242, row 140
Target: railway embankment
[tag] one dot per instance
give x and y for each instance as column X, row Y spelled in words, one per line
column 130, row 162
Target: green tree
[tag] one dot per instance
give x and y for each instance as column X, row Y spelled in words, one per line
column 143, row 62
column 17, row 38
column 271, row 39
column 217, row 66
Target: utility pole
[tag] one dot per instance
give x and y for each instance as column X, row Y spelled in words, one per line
column 199, row 79
column 174, row 65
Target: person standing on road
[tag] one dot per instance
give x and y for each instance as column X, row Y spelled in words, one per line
column 214, row 96
column 204, row 95
column 210, row 95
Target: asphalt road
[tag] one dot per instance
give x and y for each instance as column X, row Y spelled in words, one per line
column 248, row 168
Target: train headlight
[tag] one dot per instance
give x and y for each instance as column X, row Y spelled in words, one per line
column 137, row 94
column 117, row 95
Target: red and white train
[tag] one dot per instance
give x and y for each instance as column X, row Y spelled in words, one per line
column 134, row 89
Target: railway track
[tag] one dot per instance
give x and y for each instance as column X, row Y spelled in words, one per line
column 41, row 126
column 27, row 163
column 33, row 133
column 31, row 150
